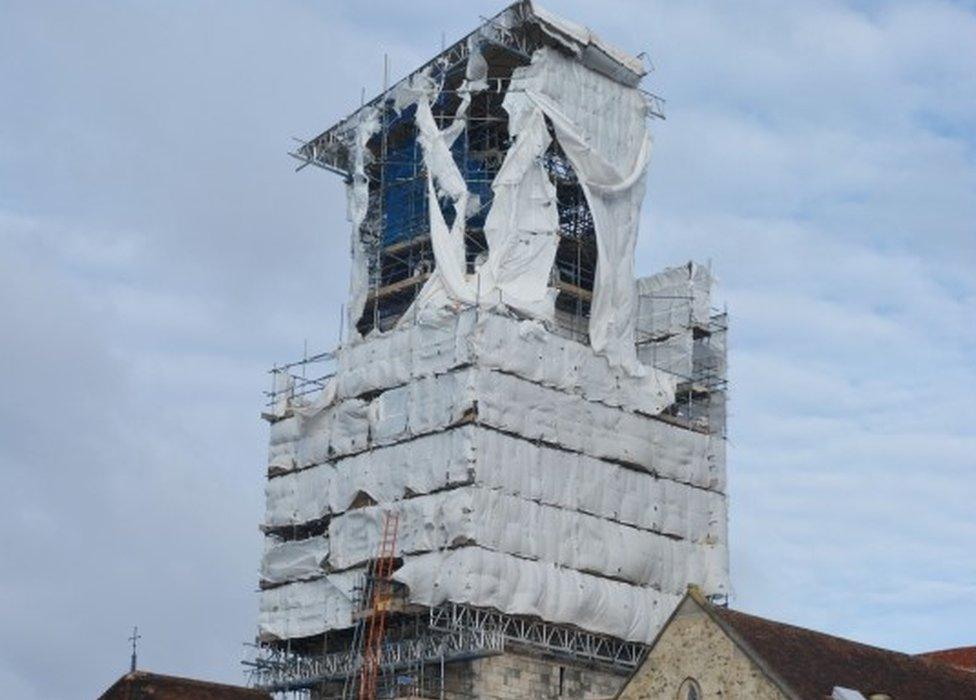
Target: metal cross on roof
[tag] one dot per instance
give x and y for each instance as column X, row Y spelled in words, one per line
column 135, row 640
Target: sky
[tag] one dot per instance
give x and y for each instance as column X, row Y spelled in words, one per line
column 158, row 254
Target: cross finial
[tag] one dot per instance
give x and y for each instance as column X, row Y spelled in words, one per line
column 135, row 640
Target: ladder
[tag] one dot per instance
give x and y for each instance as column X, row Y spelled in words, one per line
column 381, row 595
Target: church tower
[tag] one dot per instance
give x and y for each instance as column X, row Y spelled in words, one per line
column 504, row 479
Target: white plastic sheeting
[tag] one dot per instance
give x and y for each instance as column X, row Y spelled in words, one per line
column 315, row 435
column 673, row 353
column 516, row 586
column 424, row 465
column 583, row 42
column 523, row 223
column 293, row 560
column 674, row 299
column 528, row 530
column 530, row 474
column 578, row 482
column 499, row 342
column 526, row 472
column 601, row 125
column 477, row 577
column 476, row 455
column 671, row 305
column 357, row 203
column 304, row 608
column 448, row 283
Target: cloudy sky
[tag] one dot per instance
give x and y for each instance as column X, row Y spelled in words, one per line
column 158, row 253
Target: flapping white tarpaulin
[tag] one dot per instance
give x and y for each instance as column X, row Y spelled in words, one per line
column 523, row 223
column 357, row 204
column 600, row 123
column 602, row 127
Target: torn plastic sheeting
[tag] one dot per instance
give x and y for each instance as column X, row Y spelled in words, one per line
column 525, row 348
column 578, row 38
column 522, row 232
column 357, row 203
column 511, row 404
column 293, row 560
column 513, row 525
column 522, row 226
column 601, row 126
column 515, row 586
column 419, row 466
column 306, row 608
column 448, row 282
column 472, row 454
column 672, row 354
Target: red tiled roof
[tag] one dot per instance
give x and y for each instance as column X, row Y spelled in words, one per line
column 142, row 685
column 961, row 657
column 812, row 663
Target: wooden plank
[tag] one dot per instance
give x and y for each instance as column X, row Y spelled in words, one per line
column 584, row 294
column 397, row 287
column 405, row 245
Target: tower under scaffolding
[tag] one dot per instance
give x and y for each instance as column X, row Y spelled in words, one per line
column 506, row 476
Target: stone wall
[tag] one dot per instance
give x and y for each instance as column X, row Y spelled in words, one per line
column 512, row 676
column 693, row 646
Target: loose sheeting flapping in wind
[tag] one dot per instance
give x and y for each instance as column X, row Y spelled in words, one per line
column 601, row 126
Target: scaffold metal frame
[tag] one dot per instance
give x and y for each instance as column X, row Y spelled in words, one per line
column 455, row 632
column 555, row 640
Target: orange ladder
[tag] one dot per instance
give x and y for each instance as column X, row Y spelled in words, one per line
column 382, row 594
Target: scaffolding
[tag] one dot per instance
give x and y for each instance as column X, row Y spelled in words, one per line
column 680, row 333
column 381, row 645
column 395, row 231
column 445, row 634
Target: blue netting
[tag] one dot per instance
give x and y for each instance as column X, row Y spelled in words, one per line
column 405, row 186
column 478, row 178
column 405, row 192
